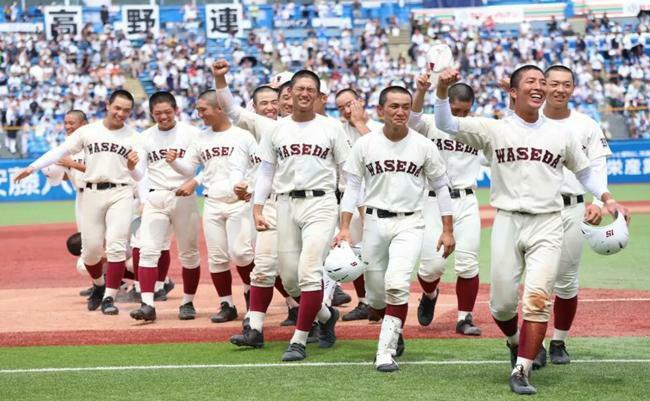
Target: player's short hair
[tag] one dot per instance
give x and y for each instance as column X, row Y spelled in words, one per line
column 162, row 97
column 515, row 78
column 210, row 96
column 123, row 94
column 261, row 89
column 73, row 243
column 306, row 74
column 284, row 86
column 346, row 90
column 563, row 68
column 78, row 113
column 461, row 92
column 392, row 89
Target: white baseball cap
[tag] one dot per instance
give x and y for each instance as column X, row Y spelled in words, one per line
column 54, row 174
column 324, row 89
column 439, row 58
column 609, row 239
column 282, row 78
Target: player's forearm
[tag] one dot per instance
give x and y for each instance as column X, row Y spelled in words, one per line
column 361, row 126
column 599, row 169
column 593, row 184
column 140, row 170
column 228, row 104
column 263, row 182
column 350, row 198
column 182, row 167
column 142, row 188
column 418, row 101
column 346, row 218
column 448, row 224
column 440, row 186
column 78, row 166
column 51, row 157
column 445, row 121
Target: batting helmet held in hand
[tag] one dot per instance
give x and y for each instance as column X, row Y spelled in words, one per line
column 609, row 239
column 74, row 244
column 342, row 264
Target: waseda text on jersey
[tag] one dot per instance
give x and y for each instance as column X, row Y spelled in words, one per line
column 297, row 149
column 508, row 155
column 454, row 146
column 217, row 151
column 159, row 154
column 393, row 166
column 99, row 147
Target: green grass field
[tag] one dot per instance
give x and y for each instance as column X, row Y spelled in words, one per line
column 432, row 369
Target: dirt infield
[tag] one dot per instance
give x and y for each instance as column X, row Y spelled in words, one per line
column 40, row 306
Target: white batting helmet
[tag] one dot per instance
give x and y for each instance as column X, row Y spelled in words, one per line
column 54, row 174
column 342, row 264
column 609, row 239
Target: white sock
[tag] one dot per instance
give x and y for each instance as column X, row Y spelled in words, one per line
column 462, row 315
column 167, row 280
column 228, row 298
column 299, row 337
column 187, row 298
column 147, row 298
column 110, row 292
column 247, row 288
column 526, row 363
column 291, row 303
column 137, row 286
column 324, row 314
column 159, row 285
column 363, row 300
column 256, row 320
column 99, row 281
column 514, row 339
column 560, row 335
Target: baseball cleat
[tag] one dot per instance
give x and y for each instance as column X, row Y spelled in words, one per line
column 95, row 298
column 131, row 296
column 108, row 306
column 467, row 327
column 144, row 312
column 292, row 317
column 295, row 352
column 160, row 295
column 86, row 292
column 248, row 338
column 384, row 362
column 519, row 382
column 559, row 354
column 246, row 323
column 375, row 315
column 168, row 287
column 187, row 311
column 358, row 313
column 226, row 314
column 327, row 336
column 314, row 333
column 339, row 298
column 400, row 346
column 514, row 350
column 540, row 359
column 426, row 308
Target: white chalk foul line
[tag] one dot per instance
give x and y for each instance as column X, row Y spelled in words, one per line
column 288, row 365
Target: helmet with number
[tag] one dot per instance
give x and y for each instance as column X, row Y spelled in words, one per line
column 607, row 240
column 342, row 264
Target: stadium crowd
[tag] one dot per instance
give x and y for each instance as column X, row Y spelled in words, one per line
column 40, row 80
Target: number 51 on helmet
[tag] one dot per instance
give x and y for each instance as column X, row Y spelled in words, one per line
column 342, row 264
column 609, row 239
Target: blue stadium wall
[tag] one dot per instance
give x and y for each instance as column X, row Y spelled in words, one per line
column 629, row 164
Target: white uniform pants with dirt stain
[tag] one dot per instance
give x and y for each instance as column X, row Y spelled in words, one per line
column 530, row 243
column 266, row 248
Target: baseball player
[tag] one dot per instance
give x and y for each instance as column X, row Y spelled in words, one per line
column 561, row 83
column 170, row 203
column 463, row 166
column 527, row 155
column 107, row 203
column 397, row 165
column 302, row 153
column 73, row 120
column 356, row 123
column 227, row 224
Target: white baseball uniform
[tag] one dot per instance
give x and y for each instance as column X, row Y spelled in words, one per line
column 227, row 221
column 395, row 175
column 76, row 177
column 162, row 208
column 463, row 164
column 593, row 142
column 527, row 161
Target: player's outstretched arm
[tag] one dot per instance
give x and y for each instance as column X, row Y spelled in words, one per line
column 263, row 182
column 180, row 166
column 349, row 202
column 51, row 157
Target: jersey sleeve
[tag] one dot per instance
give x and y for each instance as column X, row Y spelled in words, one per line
column 341, row 145
column 193, row 154
column 597, row 143
column 475, row 131
column 254, row 123
column 434, row 166
column 575, row 158
column 355, row 161
column 265, row 149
